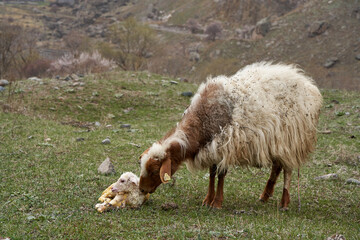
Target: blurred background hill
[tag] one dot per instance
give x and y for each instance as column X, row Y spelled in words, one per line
column 192, row 39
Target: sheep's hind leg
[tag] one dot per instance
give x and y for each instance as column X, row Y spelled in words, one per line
column 285, row 200
column 211, row 191
column 219, row 196
column 270, row 185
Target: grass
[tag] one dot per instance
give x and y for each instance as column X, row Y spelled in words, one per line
column 50, row 182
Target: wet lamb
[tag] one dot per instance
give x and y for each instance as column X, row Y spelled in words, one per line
column 124, row 192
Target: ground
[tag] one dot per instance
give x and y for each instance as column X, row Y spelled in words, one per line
column 50, row 149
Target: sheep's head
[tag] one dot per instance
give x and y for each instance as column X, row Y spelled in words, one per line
column 126, row 183
column 155, row 168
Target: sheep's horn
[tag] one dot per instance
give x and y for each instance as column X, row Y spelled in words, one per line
column 167, row 177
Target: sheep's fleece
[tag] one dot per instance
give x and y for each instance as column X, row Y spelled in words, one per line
column 124, row 192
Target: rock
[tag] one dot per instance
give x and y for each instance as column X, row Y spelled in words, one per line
column 326, row 131
column 336, row 237
column 110, row 115
column 2, row 89
column 119, row 95
column 352, row 181
column 194, row 56
column 80, row 139
column 263, row 26
column 330, row 62
column 70, row 90
column 169, row 206
column 125, row 126
column 187, row 94
column 97, row 124
column 236, row 212
column 68, row 78
column 127, row 110
column 62, row 3
column 74, row 77
column 357, row 57
column 327, row 176
column 183, row 79
column 4, row 83
column 356, row 13
column 318, row 28
column 106, row 167
column 174, row 82
column 36, row 79
column 106, row 141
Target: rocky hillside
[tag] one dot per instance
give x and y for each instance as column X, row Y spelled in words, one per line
column 320, row 36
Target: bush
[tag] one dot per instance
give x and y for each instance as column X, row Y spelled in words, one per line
column 85, row 63
column 37, row 68
column 213, row 30
column 194, row 26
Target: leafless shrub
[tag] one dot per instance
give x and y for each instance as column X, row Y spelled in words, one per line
column 213, row 30
column 194, row 26
column 38, row 68
column 77, row 42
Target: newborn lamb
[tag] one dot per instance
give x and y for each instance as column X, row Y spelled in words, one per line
column 124, row 192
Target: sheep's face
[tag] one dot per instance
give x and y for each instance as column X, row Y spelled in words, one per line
column 126, row 183
column 150, row 180
column 154, row 171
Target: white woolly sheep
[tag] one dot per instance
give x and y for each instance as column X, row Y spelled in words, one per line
column 124, row 192
column 263, row 116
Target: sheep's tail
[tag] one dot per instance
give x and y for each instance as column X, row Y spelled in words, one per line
column 299, row 202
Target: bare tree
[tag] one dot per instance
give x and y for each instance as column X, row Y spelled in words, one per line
column 134, row 41
column 213, row 30
column 10, row 47
column 77, row 42
column 17, row 46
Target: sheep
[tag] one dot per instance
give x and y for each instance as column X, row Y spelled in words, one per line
column 263, row 116
column 124, row 192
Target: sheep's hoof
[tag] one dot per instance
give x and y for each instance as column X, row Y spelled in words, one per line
column 265, row 197
column 207, row 201
column 216, row 205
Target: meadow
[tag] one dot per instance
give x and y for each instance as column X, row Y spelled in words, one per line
column 50, row 148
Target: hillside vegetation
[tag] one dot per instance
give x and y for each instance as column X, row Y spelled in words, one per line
column 310, row 33
column 50, row 148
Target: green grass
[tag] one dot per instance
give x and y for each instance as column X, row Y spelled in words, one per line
column 49, row 188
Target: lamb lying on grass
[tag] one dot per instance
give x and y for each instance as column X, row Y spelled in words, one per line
column 124, row 192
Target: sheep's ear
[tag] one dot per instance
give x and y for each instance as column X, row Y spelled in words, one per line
column 165, row 171
column 133, row 180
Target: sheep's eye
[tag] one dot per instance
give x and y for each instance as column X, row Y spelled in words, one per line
column 122, row 180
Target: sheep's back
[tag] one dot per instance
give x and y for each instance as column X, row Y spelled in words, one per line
column 274, row 118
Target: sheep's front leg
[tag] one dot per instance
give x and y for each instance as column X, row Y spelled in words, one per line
column 269, row 188
column 219, row 197
column 211, row 191
column 285, row 200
